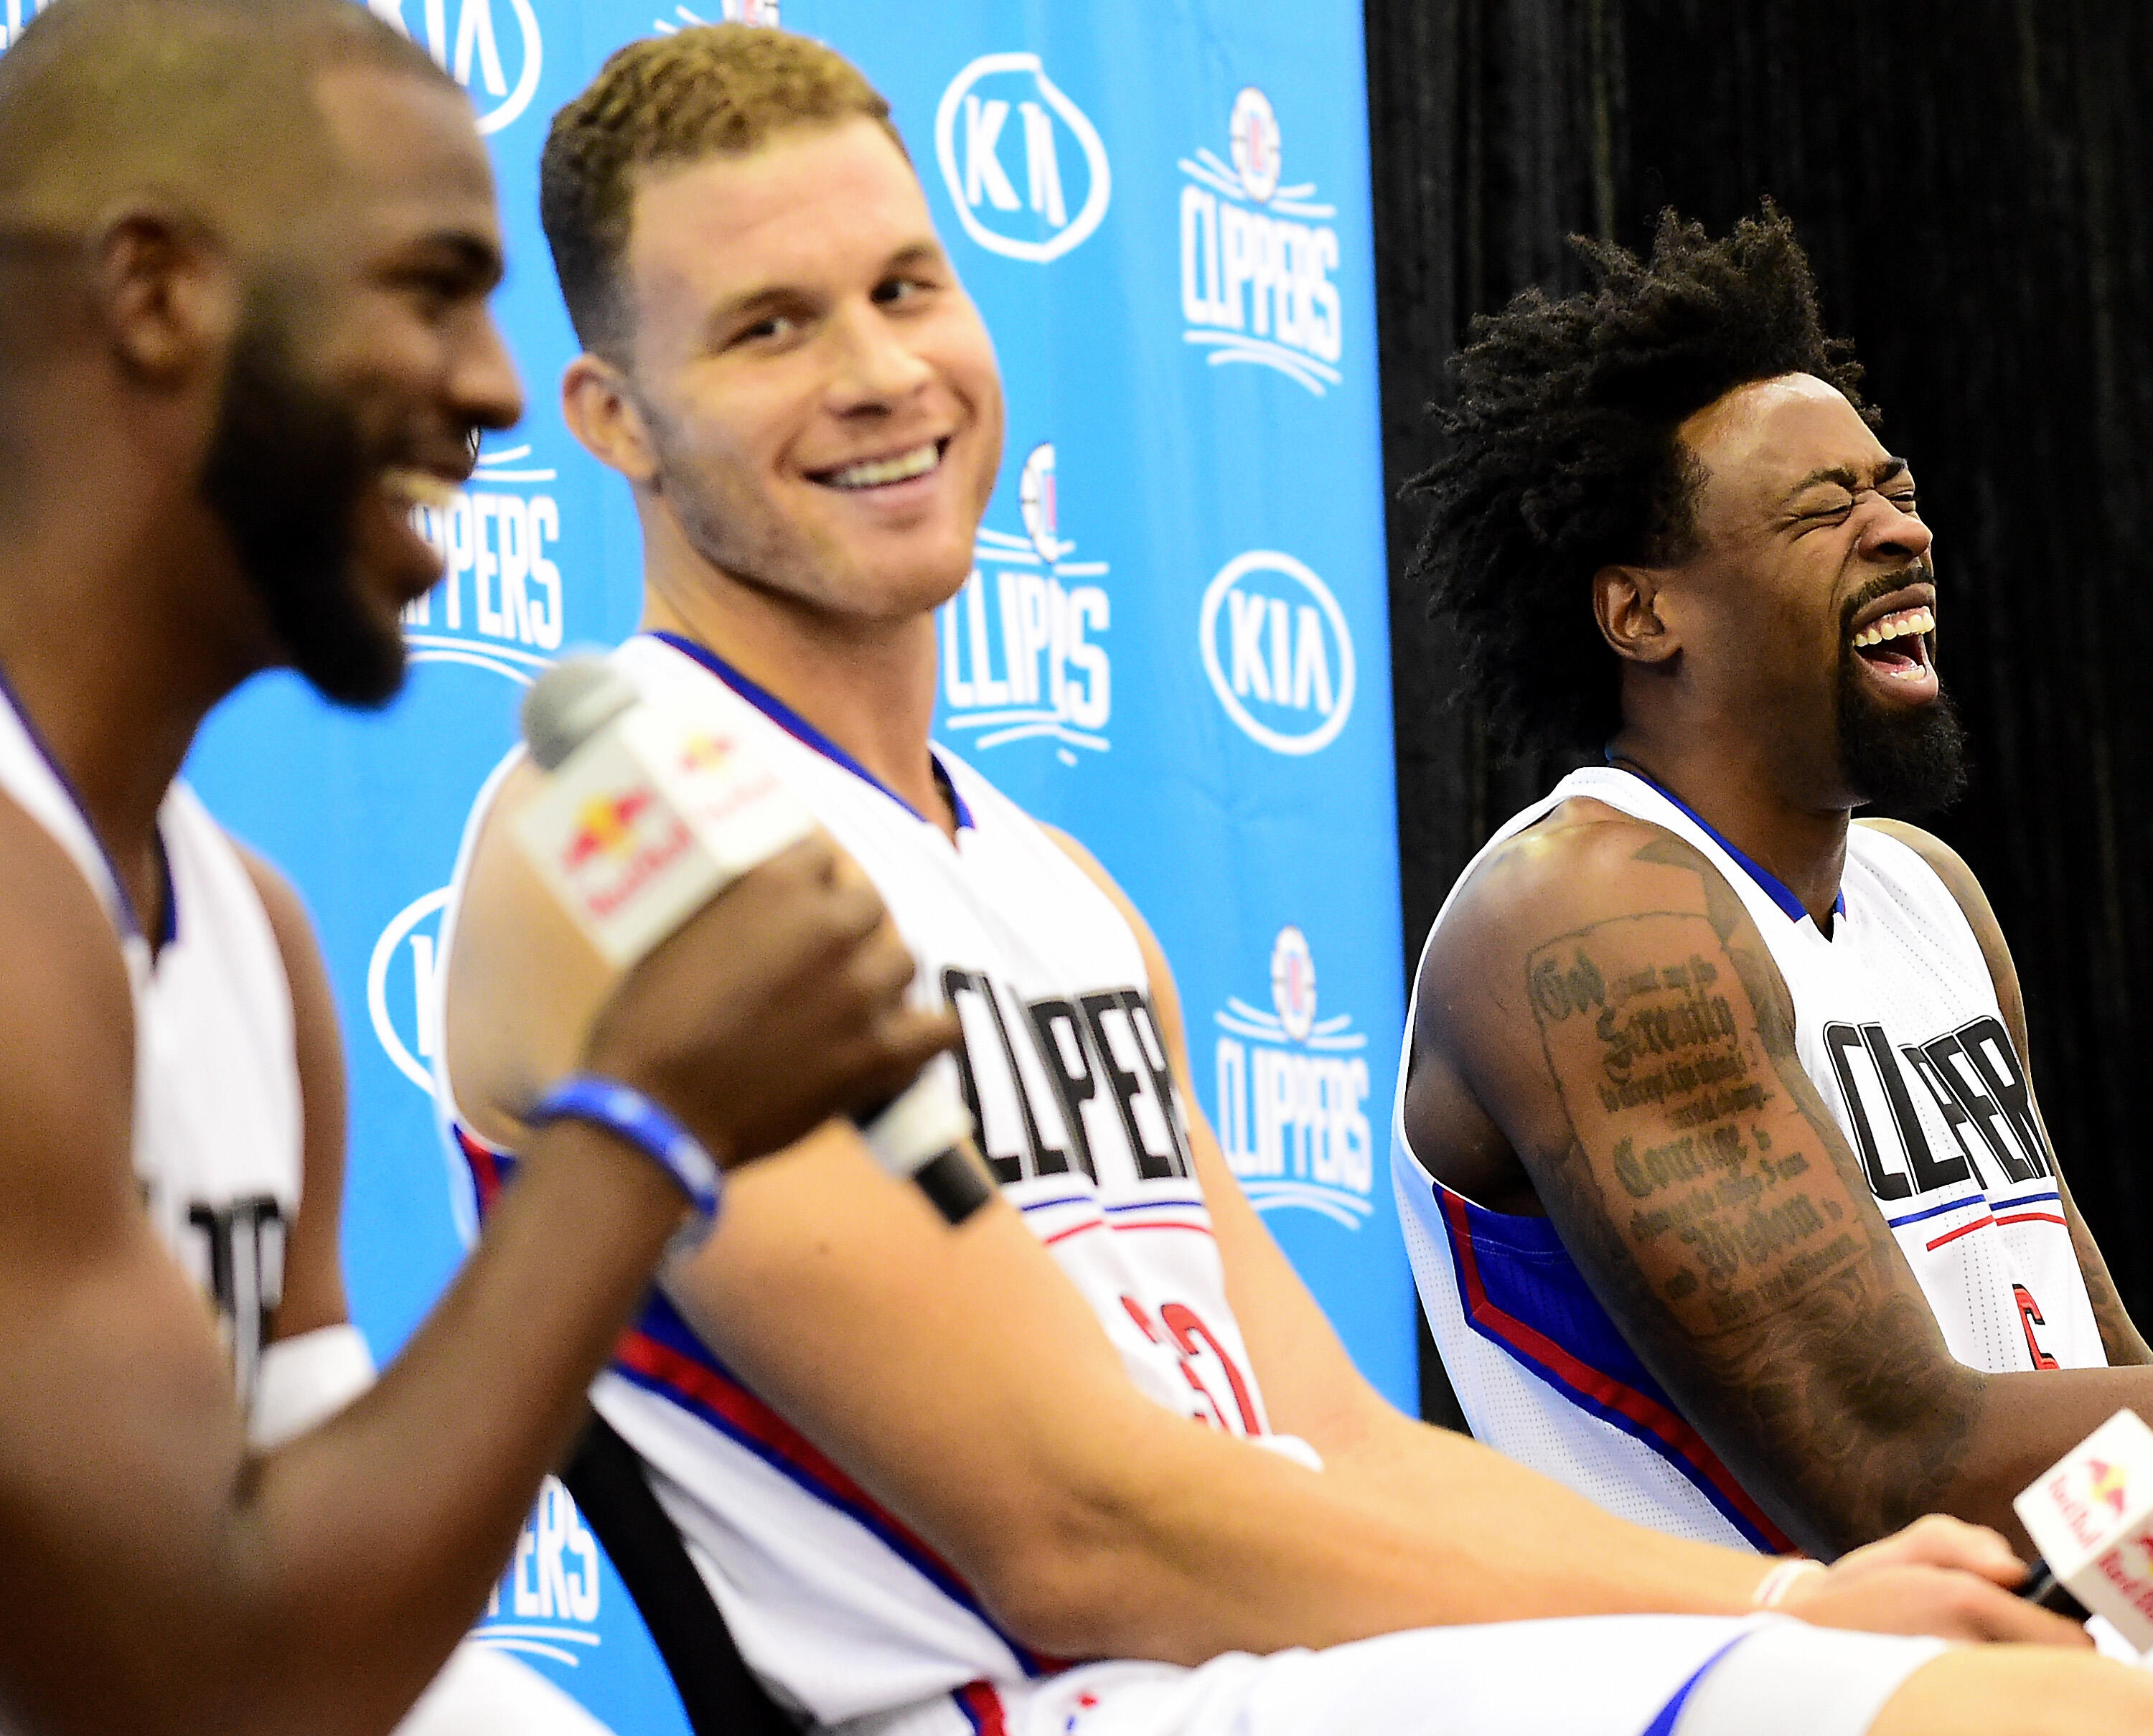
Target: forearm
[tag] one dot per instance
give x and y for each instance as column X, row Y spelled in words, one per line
column 1838, row 1467
column 2023, row 1425
column 426, row 1479
column 1221, row 1547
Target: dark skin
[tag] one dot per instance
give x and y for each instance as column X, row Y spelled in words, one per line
column 1817, row 1371
column 183, row 1583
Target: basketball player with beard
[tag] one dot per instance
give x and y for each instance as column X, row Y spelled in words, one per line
column 246, row 250
column 1724, row 1178
column 1106, row 1421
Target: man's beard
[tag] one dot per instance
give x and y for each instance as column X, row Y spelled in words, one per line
column 1908, row 761
column 284, row 472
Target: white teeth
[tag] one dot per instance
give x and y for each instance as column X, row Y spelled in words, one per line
column 417, row 488
column 1907, row 622
column 874, row 472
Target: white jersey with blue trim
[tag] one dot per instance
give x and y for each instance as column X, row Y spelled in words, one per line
column 216, row 1131
column 838, row 1606
column 1896, row 1023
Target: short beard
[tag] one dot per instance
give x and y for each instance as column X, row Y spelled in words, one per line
column 284, row 473
column 1909, row 762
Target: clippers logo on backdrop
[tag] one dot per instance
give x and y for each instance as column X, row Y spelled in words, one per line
column 1291, row 1090
column 498, row 605
column 1257, row 258
column 1276, row 648
column 1025, row 166
column 1020, row 657
column 491, row 48
column 547, row 1601
column 732, row 12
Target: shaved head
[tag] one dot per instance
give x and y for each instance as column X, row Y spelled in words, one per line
column 205, row 106
column 245, row 247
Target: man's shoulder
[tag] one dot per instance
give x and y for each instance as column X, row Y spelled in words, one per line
column 1945, row 862
column 1584, row 860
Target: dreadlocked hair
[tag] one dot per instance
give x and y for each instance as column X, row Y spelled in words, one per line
column 1562, row 455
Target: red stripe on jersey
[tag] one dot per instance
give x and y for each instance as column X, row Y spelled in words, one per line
column 1670, row 1429
column 1981, row 1222
column 982, row 1707
column 753, row 1417
column 488, row 1170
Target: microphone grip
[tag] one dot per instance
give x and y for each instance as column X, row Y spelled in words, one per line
column 925, row 1133
column 2043, row 1587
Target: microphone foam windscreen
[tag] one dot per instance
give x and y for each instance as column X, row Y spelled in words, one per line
column 571, row 702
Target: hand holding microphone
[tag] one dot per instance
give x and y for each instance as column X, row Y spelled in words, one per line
column 1938, row 1575
column 696, row 873
column 2090, row 1514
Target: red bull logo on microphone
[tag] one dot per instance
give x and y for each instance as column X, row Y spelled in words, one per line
column 620, row 844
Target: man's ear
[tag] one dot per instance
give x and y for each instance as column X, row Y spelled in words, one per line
column 602, row 412
column 1625, row 602
column 164, row 289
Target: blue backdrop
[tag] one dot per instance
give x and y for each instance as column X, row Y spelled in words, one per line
column 1173, row 643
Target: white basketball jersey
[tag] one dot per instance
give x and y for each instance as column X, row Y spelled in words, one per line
column 1896, row 1024
column 217, row 1081
column 840, row 1609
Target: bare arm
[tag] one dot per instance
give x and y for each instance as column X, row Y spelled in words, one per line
column 1624, row 1025
column 1444, row 1481
column 313, row 1295
column 2120, row 1336
column 184, row 1583
column 1090, row 1520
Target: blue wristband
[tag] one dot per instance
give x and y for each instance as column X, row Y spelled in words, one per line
column 626, row 1113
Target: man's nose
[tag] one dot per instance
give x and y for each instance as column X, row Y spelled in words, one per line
column 482, row 382
column 875, row 364
column 1890, row 532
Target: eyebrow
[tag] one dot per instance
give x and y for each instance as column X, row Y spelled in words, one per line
column 1851, row 480
column 772, row 296
column 475, row 255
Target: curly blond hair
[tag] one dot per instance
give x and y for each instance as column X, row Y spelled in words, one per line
column 711, row 91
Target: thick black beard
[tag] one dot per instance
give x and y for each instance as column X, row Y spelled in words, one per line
column 1908, row 762
column 284, row 473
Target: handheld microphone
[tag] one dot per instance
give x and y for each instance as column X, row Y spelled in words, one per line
column 645, row 818
column 2090, row 1514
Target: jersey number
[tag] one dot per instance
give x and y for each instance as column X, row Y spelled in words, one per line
column 1190, row 1339
column 2029, row 1317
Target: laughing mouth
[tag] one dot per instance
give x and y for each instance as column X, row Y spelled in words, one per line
column 880, row 473
column 1898, row 645
column 415, row 487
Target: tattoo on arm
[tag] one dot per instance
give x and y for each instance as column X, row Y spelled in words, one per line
column 1714, row 1203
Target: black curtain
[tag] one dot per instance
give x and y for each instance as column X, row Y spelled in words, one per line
column 1973, row 180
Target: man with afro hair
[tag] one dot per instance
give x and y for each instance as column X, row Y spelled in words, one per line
column 1728, row 1197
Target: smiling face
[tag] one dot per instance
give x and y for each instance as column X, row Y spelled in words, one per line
column 1807, row 606
column 820, row 414
column 365, row 360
